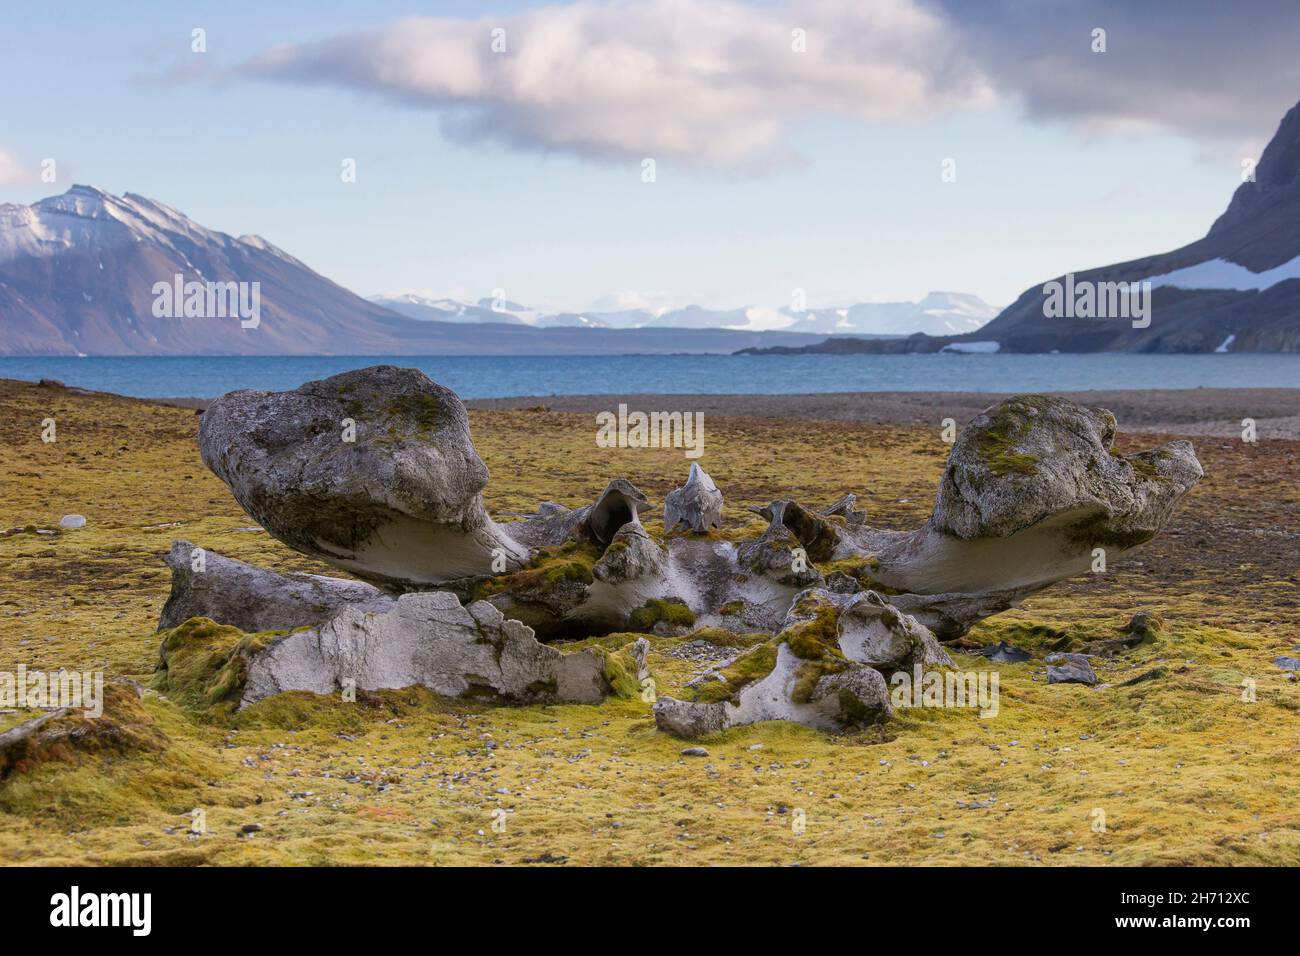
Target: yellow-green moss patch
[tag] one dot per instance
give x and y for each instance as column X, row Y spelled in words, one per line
column 550, row 568
column 203, row 665
column 669, row 611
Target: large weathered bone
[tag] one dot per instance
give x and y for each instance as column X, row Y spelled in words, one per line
column 843, row 701
column 430, row 640
column 372, row 471
column 874, row 632
column 829, row 669
column 1031, row 490
column 620, row 503
column 207, row 584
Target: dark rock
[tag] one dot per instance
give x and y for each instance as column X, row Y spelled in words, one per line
column 1072, row 669
column 1004, row 653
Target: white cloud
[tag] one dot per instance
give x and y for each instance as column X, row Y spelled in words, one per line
column 13, row 172
column 714, row 84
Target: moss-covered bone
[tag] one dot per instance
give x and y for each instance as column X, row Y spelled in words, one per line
column 1031, row 489
column 372, row 471
column 802, row 675
column 872, row 631
column 840, row 698
column 430, row 640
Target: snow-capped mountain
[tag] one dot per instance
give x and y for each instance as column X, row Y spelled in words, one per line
column 86, row 273
column 1236, row 289
column 939, row 313
column 447, row 310
column 78, row 274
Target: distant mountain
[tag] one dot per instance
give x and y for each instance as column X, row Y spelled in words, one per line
column 444, row 310
column 81, row 274
column 939, row 313
column 1235, row 290
column 78, row 273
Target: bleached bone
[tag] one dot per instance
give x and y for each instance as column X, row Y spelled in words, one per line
column 1032, row 493
column 829, row 668
column 619, row 503
column 372, row 471
column 430, row 640
column 207, row 584
column 846, row 700
column 696, row 504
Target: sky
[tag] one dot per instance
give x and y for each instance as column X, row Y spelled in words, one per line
column 857, row 150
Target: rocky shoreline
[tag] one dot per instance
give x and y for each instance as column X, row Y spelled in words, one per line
column 1173, row 411
column 1184, row 411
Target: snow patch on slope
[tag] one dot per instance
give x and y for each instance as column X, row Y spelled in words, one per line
column 1222, row 274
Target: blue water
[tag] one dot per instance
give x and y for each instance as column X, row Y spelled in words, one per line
column 502, row 376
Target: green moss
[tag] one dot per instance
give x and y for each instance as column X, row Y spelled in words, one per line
column 1026, row 635
column 620, row 672
column 123, row 728
column 655, row 610
column 549, row 568
column 426, row 410
column 203, row 665
column 753, row 665
column 732, row 608
column 1150, row 626
column 996, row 443
column 1144, row 464
column 997, row 451
column 856, row 567
column 816, row 643
column 810, row 674
column 818, row 638
column 300, row 710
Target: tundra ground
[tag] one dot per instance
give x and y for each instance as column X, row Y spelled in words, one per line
column 1180, row 768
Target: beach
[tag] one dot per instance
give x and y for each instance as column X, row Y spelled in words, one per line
column 1187, row 411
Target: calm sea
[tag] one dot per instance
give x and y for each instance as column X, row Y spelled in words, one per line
column 503, row 376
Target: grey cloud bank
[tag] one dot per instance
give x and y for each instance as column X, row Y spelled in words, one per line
column 724, row 86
